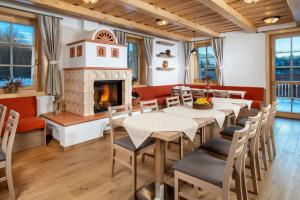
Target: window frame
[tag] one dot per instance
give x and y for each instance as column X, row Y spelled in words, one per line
column 291, row 67
column 36, row 48
column 198, row 44
column 137, row 40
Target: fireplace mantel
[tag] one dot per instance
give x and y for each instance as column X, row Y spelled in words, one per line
column 79, row 86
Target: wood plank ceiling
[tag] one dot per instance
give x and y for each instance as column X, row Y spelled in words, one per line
column 194, row 11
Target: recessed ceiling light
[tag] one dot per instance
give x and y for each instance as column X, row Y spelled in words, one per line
column 271, row 20
column 161, row 22
column 90, row 1
column 251, row 1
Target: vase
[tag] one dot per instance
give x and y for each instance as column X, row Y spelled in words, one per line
column 11, row 90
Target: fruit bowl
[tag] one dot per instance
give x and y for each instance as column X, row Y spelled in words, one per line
column 203, row 104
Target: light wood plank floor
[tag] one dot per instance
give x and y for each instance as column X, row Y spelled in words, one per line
column 84, row 172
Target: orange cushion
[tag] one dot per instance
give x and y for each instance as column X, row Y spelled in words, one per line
column 29, row 124
column 25, row 106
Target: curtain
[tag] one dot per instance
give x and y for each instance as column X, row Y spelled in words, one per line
column 121, row 37
column 217, row 46
column 51, row 35
column 187, row 57
column 148, row 54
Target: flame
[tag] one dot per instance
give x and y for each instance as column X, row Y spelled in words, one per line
column 105, row 95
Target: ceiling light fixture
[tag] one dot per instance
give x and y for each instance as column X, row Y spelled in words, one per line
column 161, row 22
column 90, row 1
column 251, row 1
column 271, row 20
column 194, row 50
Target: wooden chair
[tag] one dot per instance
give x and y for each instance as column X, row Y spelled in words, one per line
column 172, row 101
column 187, row 99
column 176, row 91
column 149, row 105
column 125, row 144
column 213, row 174
column 270, row 133
column 263, row 133
column 6, row 150
column 197, row 93
column 2, row 115
column 221, row 147
column 221, row 93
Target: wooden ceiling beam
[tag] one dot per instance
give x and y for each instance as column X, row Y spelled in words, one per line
column 109, row 19
column 166, row 15
column 222, row 8
column 295, row 8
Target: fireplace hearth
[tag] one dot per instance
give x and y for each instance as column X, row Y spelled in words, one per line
column 107, row 93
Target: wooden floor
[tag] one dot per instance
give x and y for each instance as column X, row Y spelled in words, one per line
column 84, row 172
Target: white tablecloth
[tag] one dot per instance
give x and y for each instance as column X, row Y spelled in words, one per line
column 140, row 127
column 219, row 116
column 233, row 101
column 228, row 106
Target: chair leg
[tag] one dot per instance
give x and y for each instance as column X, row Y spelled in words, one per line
column 134, row 174
column 238, row 186
column 176, row 185
column 257, row 160
column 253, row 172
column 269, row 148
column 244, row 184
column 113, row 153
column 10, row 181
column 143, row 157
column 273, row 141
column 264, row 152
column 181, row 147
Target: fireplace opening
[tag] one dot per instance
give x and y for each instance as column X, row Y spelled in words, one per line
column 107, row 93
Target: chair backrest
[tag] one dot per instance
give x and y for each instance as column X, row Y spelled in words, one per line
column 10, row 133
column 186, row 98
column 151, row 104
column 176, row 91
column 237, row 150
column 2, row 116
column 221, row 93
column 265, row 121
column 172, row 101
column 117, row 112
column 199, row 93
column 255, row 123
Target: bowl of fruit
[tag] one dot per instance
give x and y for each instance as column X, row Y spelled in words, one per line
column 203, row 104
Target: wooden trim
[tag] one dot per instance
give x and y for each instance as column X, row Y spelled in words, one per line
column 171, row 17
column 23, row 94
column 102, row 17
column 295, row 8
column 17, row 13
column 96, row 68
column 222, row 8
column 93, row 41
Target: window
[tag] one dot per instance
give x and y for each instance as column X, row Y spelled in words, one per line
column 287, row 58
column 134, row 58
column 206, row 66
column 17, row 57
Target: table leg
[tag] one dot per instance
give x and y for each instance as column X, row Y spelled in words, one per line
column 159, row 169
column 212, row 129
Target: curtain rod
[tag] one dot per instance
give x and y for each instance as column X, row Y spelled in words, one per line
column 32, row 12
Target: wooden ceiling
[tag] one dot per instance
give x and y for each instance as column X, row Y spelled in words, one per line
column 206, row 17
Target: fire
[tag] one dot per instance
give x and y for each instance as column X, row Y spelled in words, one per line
column 105, row 95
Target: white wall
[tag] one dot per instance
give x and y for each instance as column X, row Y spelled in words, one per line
column 244, row 58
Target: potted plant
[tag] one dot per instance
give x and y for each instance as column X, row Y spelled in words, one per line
column 135, row 99
column 13, row 85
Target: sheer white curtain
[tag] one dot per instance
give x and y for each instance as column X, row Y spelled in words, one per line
column 188, row 46
column 217, row 46
column 148, row 54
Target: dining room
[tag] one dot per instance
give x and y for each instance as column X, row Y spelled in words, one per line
column 149, row 99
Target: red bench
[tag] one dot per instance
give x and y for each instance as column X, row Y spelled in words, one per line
column 161, row 92
column 26, row 107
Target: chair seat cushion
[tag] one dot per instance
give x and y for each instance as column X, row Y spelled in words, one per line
column 2, row 156
column 127, row 143
column 217, row 145
column 29, row 124
column 203, row 166
column 241, row 121
column 229, row 131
